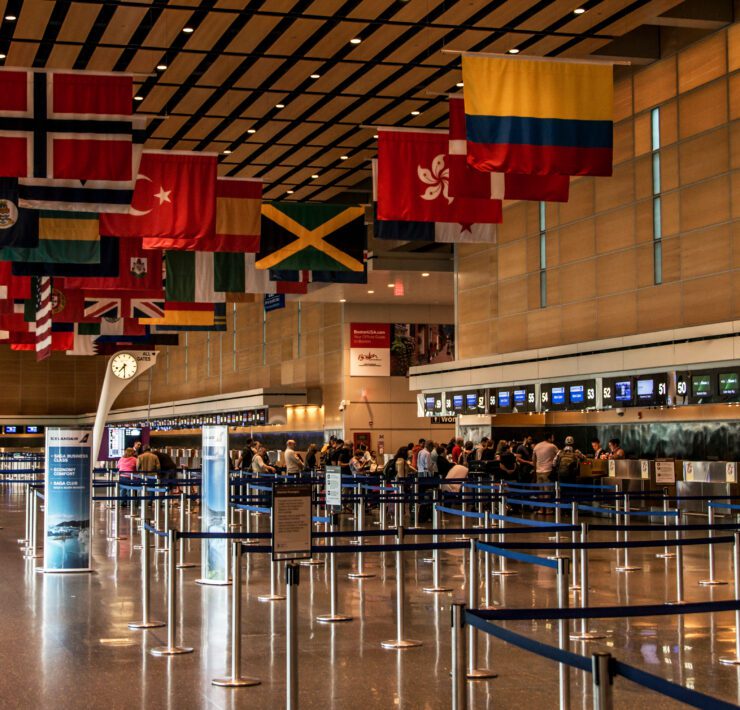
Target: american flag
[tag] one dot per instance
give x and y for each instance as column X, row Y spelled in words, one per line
column 42, row 294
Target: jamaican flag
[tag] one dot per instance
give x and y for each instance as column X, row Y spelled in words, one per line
column 321, row 237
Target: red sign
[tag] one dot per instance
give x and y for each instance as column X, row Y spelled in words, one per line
column 370, row 335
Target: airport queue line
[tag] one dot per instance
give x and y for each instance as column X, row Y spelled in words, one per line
column 475, row 502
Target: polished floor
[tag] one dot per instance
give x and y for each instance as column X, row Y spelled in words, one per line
column 65, row 642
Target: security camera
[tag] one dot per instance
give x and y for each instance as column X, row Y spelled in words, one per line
column 341, row 406
column 620, row 412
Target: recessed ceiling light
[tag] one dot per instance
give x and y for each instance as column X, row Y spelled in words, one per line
column 188, row 30
column 513, row 50
column 426, row 273
column 316, row 76
column 314, row 177
column 343, row 157
column 11, row 18
column 391, row 285
column 415, row 113
column 279, row 105
column 342, row 300
column 375, row 136
column 355, row 40
column 138, row 98
column 227, row 152
column 2, row 56
column 371, row 291
column 290, row 192
column 579, row 10
column 251, row 130
column 161, row 67
column 459, row 85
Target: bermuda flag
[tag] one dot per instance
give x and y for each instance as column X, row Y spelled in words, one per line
column 414, row 177
column 174, row 203
column 466, row 181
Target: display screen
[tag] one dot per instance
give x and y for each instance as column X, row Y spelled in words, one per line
column 728, row 384
column 10, row 429
column 623, row 391
column 32, row 430
column 701, row 385
column 504, row 399
column 520, row 397
column 558, row 395
column 471, row 400
column 457, row 401
column 429, row 403
column 577, row 394
column 645, row 389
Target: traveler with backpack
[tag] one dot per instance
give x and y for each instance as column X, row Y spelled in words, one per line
column 566, row 466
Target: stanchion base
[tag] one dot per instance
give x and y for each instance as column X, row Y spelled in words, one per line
column 627, row 569
column 665, row 555
column 711, row 582
column 360, row 575
column 170, row 650
column 333, row 618
column 730, row 661
column 503, row 573
column 270, row 597
column 355, row 542
column 22, row 543
column 436, row 590
column 213, row 582
column 235, row 682
column 311, row 563
column 574, row 588
column 185, row 565
column 587, row 636
column 36, row 556
column 146, row 624
column 400, row 644
column 480, row 674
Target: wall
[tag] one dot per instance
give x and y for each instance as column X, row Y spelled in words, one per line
column 599, row 244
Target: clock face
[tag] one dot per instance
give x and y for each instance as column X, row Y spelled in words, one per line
column 124, row 366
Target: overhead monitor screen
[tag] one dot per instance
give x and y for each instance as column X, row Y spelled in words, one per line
column 520, row 397
column 471, row 400
column 32, row 429
column 504, row 399
column 728, row 384
column 558, row 395
column 623, row 391
column 576, row 394
column 429, row 403
column 457, row 401
column 701, row 386
column 10, row 429
column 645, row 389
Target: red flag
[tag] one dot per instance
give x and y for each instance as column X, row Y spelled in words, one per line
column 174, row 202
column 238, row 217
column 12, row 287
column 413, row 181
column 466, row 181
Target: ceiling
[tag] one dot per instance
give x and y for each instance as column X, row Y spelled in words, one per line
column 224, row 79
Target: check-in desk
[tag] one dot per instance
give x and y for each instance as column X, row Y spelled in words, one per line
column 706, row 478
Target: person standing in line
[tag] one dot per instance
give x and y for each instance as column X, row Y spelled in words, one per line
column 543, row 457
column 415, row 452
column 127, row 464
column 424, row 460
column 312, row 457
column 524, row 459
column 244, row 462
column 147, row 462
column 457, row 449
column 258, row 461
column 443, row 463
column 401, row 460
column 343, row 456
column 488, row 454
column 480, row 447
column 293, row 461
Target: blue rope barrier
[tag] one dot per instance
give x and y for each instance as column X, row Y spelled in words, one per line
column 254, row 508
column 637, row 513
column 726, row 506
column 518, row 556
column 225, row 536
column 321, row 519
column 538, row 503
column 527, row 521
column 151, row 529
column 461, row 513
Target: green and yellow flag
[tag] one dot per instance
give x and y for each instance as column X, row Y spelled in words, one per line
column 321, row 237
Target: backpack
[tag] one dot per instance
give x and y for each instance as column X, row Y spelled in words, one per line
column 568, row 466
column 389, row 471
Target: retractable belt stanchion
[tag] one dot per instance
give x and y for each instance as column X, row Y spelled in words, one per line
column 667, row 554
column 487, row 603
column 333, row 616
column 679, row 565
column 273, row 596
column 146, row 622
column 712, row 581
column 563, row 671
column 116, row 515
column 166, row 504
column 474, row 673
column 360, row 572
column 603, row 681
column 556, row 536
column 157, row 503
column 584, row 634
column 459, row 685
column 24, row 540
column 575, row 586
column 292, row 580
column 464, row 518
column 171, row 649
column 502, row 570
column 436, row 552
column 626, row 567
column 181, row 564
column 236, row 679
column 727, row 661
column 400, row 642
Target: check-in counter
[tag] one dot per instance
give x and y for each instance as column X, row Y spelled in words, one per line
column 706, row 478
column 638, row 475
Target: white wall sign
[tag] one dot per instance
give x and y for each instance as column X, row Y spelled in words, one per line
column 688, row 470
column 644, row 469
column 665, row 472
column 370, row 350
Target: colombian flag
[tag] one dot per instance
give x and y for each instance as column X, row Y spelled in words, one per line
column 538, row 117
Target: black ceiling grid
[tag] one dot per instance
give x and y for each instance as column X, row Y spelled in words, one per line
column 51, row 32
column 136, row 41
column 105, row 14
column 247, row 63
column 7, row 27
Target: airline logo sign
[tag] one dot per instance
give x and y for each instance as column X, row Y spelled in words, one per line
column 370, row 350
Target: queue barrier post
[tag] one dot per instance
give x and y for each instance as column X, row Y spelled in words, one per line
column 575, row 586
column 146, row 622
column 584, row 634
column 667, row 554
column 157, row 504
column 712, row 581
column 679, row 565
column 563, row 671
column 400, row 642
column 360, row 572
column 602, row 679
column 383, row 505
column 459, row 686
column 116, row 515
column 292, row 580
column 626, row 567
column 273, row 596
column 236, row 679
column 729, row 661
column 181, row 564
column 333, row 617
column 487, row 601
column 556, row 537
column 436, row 553
column 23, row 541
column 464, row 521
column 166, row 503
column 171, row 649
column 502, row 570
column 474, row 673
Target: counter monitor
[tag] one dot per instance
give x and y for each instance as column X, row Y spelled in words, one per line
column 471, row 402
column 558, row 395
column 577, row 395
column 504, row 399
column 429, row 403
column 520, row 397
column 10, row 429
column 728, row 384
column 645, row 390
column 701, row 386
column 457, row 402
column 32, row 429
column 623, row 391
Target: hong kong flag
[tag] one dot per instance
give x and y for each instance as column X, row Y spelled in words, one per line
column 413, row 181
column 174, row 205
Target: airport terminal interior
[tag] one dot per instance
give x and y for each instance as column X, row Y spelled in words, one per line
column 369, row 353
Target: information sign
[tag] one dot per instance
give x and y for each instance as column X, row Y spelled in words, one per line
column 291, row 522
column 333, row 485
column 664, row 472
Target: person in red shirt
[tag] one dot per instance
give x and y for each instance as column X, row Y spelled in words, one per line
column 457, row 450
column 415, row 451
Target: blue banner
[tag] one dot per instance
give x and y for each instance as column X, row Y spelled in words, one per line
column 67, row 528
column 274, row 301
column 215, row 501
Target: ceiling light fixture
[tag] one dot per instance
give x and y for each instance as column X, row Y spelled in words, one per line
column 415, row 113
column 426, row 273
column 342, row 300
column 138, row 98
column 188, row 30
column 290, row 192
column 11, row 18
column 459, row 85
column 314, row 177
column 579, row 10
column 161, row 67
column 316, row 76
column 375, row 136
column 227, row 152
column 355, row 40
column 2, row 56
column 251, row 130
column 513, row 50
column 391, row 285
column 279, row 105
column 343, row 157
column 371, row 291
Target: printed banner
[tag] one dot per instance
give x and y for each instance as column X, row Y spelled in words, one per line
column 67, row 493
column 370, row 350
column 416, row 344
column 215, row 497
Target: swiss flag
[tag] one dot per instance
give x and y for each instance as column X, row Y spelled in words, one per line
column 466, row 181
column 413, row 181
column 174, row 202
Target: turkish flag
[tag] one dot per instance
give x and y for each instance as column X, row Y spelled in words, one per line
column 466, row 181
column 174, row 203
column 413, row 181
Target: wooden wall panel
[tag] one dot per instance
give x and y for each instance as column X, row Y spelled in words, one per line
column 703, row 109
column 705, row 252
column 704, row 156
column 701, row 62
column 615, row 229
column 655, row 84
column 705, row 203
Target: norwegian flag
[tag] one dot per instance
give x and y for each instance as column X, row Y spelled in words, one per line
column 101, row 305
column 42, row 293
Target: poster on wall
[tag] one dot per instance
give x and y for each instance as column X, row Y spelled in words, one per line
column 370, row 350
column 414, row 344
column 67, row 500
column 215, row 497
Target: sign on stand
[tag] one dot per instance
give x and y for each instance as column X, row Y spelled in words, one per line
column 333, row 485
column 291, row 522
column 215, row 504
column 67, row 491
column 665, row 472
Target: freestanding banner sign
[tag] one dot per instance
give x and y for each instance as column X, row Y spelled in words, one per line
column 67, row 491
column 215, row 503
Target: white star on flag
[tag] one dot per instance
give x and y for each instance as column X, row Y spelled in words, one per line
column 163, row 195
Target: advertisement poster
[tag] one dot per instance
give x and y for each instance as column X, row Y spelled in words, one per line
column 67, row 494
column 215, row 497
column 370, row 354
column 414, row 344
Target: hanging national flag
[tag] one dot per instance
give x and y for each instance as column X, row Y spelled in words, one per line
column 108, row 265
column 140, row 270
column 413, row 181
column 538, row 116
column 63, row 238
column 84, row 335
column 109, row 344
column 297, row 235
column 466, row 181
column 42, row 294
column 238, row 205
column 302, row 279
column 188, row 314
column 60, row 338
column 18, row 227
column 12, row 286
column 106, row 304
column 174, row 204
column 442, row 232
column 178, row 321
